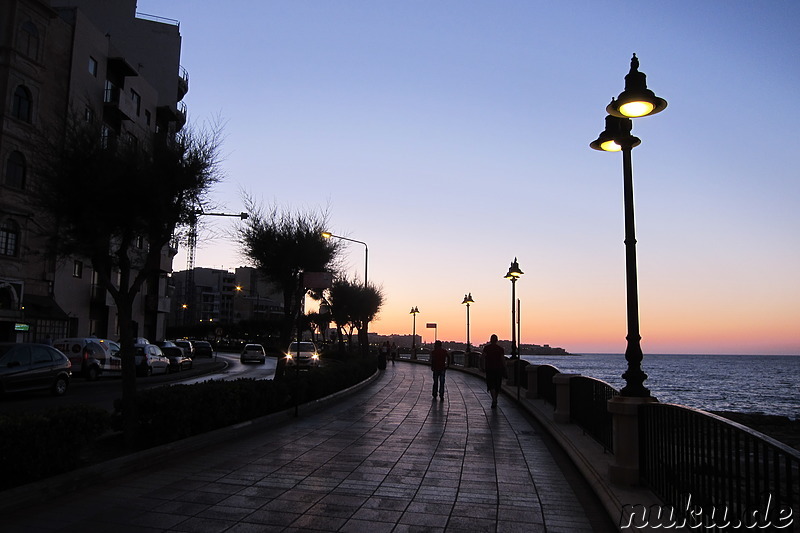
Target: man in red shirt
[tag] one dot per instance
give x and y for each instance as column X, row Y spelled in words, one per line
column 495, row 365
column 440, row 360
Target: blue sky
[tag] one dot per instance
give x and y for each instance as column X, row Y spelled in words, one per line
column 453, row 136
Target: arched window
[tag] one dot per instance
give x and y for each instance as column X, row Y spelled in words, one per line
column 22, row 104
column 28, row 40
column 16, row 170
column 9, row 238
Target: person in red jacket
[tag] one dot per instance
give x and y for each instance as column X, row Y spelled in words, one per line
column 495, row 365
column 440, row 360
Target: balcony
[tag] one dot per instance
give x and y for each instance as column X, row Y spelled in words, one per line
column 116, row 104
column 183, row 83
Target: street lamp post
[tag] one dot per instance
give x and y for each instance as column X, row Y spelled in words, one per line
column 329, row 235
column 414, row 311
column 635, row 101
column 513, row 274
column 467, row 301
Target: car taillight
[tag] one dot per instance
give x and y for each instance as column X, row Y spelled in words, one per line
column 86, row 355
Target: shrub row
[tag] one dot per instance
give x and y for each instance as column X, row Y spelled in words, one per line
column 37, row 446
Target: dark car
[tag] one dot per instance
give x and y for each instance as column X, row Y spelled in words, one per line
column 203, row 349
column 28, row 366
column 177, row 361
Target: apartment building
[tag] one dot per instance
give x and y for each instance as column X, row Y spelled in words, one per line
column 223, row 297
column 98, row 60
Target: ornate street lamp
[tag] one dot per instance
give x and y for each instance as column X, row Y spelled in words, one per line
column 467, row 301
column 635, row 101
column 414, row 311
column 513, row 274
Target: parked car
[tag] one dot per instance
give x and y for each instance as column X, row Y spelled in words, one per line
column 253, row 352
column 28, row 366
column 177, row 361
column 186, row 346
column 303, row 354
column 91, row 357
column 150, row 360
column 203, row 349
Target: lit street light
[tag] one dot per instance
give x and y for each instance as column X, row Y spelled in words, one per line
column 635, row 101
column 329, row 235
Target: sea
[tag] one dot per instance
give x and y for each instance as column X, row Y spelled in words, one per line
column 766, row 384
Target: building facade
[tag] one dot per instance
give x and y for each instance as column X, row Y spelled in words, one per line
column 223, row 297
column 98, row 61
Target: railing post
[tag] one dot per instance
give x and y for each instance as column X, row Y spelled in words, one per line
column 625, row 411
column 561, row 381
column 533, row 382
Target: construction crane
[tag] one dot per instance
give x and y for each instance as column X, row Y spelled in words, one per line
column 191, row 249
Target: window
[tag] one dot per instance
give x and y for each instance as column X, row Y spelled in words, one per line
column 147, row 117
column 106, row 136
column 92, row 66
column 88, row 115
column 77, row 269
column 140, row 242
column 137, row 101
column 28, row 40
column 21, row 107
column 9, row 238
column 16, row 170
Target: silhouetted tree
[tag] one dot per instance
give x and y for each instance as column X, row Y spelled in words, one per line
column 284, row 245
column 353, row 306
column 119, row 206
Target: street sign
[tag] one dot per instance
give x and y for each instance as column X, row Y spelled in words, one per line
column 430, row 325
column 317, row 280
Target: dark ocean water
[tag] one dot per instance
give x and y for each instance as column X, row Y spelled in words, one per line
column 768, row 384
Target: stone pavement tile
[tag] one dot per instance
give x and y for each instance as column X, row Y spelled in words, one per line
column 273, row 519
column 423, row 519
column 505, row 526
column 461, row 523
column 203, row 525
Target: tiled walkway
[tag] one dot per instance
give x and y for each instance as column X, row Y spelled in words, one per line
column 389, row 458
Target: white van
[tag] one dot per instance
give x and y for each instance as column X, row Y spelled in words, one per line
column 91, row 357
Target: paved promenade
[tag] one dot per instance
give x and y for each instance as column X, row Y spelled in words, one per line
column 388, row 458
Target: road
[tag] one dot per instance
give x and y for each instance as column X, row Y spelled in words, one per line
column 103, row 392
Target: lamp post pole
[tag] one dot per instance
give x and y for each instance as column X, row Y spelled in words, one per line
column 414, row 311
column 513, row 274
column 467, row 301
column 635, row 101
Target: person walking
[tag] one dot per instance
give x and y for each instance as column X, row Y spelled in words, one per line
column 494, row 361
column 383, row 355
column 440, row 360
column 394, row 352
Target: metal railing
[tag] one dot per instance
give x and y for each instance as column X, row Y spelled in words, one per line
column 588, row 400
column 544, row 383
column 696, row 460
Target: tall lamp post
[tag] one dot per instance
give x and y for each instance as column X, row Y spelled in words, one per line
column 635, row 101
column 467, row 301
column 513, row 274
column 414, row 312
column 329, row 235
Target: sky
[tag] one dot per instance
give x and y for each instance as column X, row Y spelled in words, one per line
column 453, row 136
